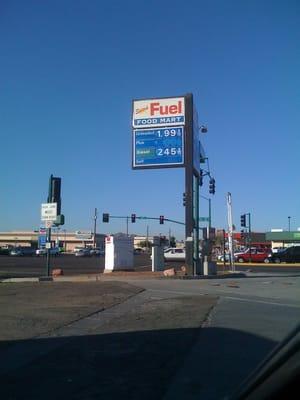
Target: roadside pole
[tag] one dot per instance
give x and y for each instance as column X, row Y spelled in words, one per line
column 230, row 231
column 209, row 213
column 95, row 226
column 48, row 241
column 189, row 221
column 250, row 258
column 51, row 214
column 48, row 250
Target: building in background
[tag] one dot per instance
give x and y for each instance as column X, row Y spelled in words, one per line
column 60, row 237
column 283, row 238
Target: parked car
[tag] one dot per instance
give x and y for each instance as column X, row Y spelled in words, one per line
column 95, row 251
column 235, row 254
column 289, row 255
column 43, row 251
column 174, row 254
column 22, row 251
column 256, row 255
column 4, row 251
column 277, row 249
column 138, row 250
column 83, row 252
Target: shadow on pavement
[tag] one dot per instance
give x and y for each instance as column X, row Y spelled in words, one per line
column 131, row 365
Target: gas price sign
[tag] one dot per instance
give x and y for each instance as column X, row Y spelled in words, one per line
column 159, row 147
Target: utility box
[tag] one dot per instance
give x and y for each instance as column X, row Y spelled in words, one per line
column 209, row 267
column 158, row 262
column 118, row 253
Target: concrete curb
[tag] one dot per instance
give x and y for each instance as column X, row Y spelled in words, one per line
column 120, row 276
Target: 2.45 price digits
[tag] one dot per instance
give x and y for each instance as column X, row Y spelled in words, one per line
column 169, row 151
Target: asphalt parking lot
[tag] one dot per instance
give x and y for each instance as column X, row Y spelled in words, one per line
column 15, row 267
column 71, row 265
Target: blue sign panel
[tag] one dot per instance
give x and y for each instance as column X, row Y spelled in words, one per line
column 159, row 147
column 42, row 237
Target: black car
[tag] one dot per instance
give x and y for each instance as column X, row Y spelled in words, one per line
column 289, row 255
column 4, row 252
column 22, row 251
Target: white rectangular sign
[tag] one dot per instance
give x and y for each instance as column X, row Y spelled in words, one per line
column 49, row 212
column 158, row 112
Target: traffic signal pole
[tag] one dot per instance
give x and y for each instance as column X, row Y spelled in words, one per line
column 249, row 220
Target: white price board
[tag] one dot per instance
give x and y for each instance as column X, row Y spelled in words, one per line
column 49, row 212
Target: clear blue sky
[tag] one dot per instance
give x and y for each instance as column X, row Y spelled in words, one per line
column 70, row 69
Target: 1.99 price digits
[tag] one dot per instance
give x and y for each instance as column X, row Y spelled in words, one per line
column 168, row 132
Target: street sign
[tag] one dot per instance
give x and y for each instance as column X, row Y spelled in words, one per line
column 158, row 112
column 49, row 211
column 158, row 147
column 203, row 219
column 42, row 237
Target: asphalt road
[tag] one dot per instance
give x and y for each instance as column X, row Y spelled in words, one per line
column 13, row 267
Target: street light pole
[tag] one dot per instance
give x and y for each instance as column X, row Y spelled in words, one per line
column 289, row 224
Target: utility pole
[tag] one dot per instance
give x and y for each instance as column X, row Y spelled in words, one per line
column 95, row 227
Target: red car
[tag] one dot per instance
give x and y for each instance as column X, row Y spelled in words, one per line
column 257, row 255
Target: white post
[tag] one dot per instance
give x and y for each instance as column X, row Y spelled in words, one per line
column 230, row 231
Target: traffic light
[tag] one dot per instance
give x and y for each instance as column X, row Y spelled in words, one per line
column 243, row 220
column 161, row 219
column 105, row 217
column 60, row 220
column 242, row 234
column 212, row 187
column 54, row 192
column 133, row 217
column 201, row 177
column 184, row 199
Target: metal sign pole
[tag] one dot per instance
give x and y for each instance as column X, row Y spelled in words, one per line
column 189, row 221
column 48, row 251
